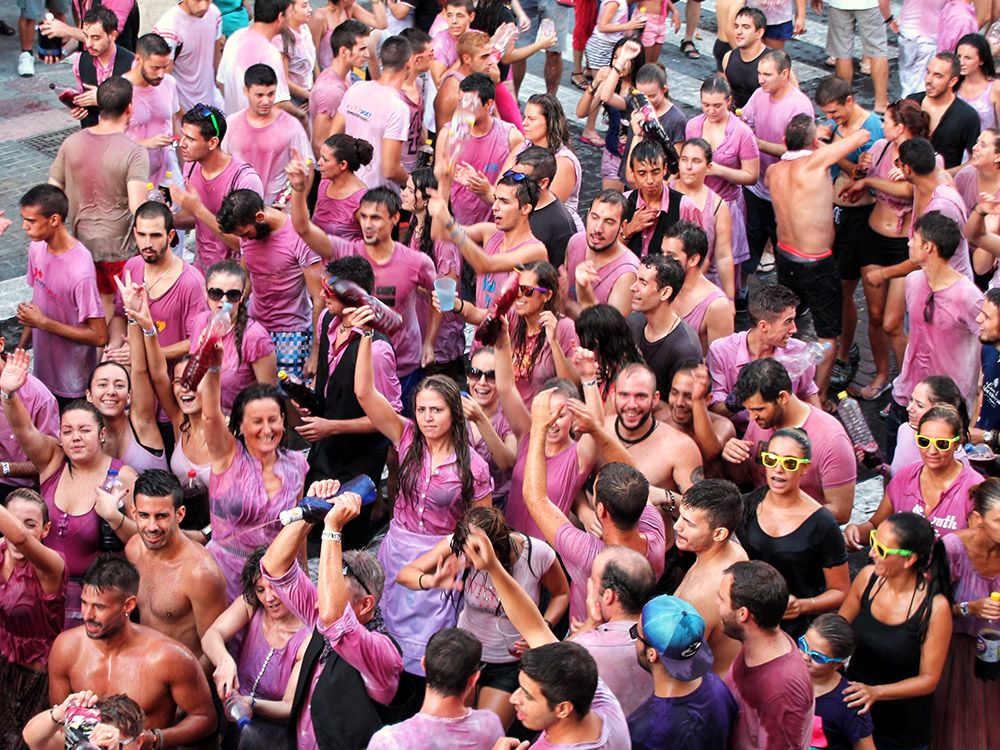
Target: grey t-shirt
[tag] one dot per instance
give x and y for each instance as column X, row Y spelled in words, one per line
column 674, row 124
column 667, row 354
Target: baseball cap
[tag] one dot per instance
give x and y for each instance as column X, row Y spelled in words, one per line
column 676, row 630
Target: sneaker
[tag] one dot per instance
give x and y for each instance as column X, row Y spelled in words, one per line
column 26, row 65
column 830, row 62
column 866, row 68
column 840, row 374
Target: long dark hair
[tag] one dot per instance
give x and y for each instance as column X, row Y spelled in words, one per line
column 232, row 268
column 916, row 534
column 603, row 330
column 548, row 277
column 489, row 16
column 423, row 180
column 555, row 119
column 944, row 391
column 413, row 461
column 250, row 575
column 982, row 46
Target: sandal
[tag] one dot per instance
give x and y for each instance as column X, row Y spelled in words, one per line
column 595, row 142
column 689, row 50
column 6, row 29
column 580, row 81
column 872, row 392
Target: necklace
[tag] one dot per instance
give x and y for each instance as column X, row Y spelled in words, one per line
column 260, row 674
column 150, row 287
column 627, row 441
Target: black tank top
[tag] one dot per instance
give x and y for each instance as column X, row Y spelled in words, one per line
column 742, row 77
column 886, row 654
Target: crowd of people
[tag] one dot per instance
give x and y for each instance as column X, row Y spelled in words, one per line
column 571, row 477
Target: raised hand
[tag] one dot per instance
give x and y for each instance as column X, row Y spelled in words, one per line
column 15, row 371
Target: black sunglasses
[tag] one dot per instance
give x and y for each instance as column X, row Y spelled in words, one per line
column 633, row 633
column 231, row 295
column 475, row 374
column 929, row 309
column 203, row 110
column 347, row 570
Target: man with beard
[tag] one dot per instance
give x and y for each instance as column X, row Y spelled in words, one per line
column 100, row 59
column 284, row 272
column 551, row 222
column 155, row 106
column 687, row 410
column 175, row 288
column 599, row 268
column 110, row 654
column 765, row 390
column 708, row 514
column 988, row 424
column 181, row 589
column 769, row 679
column 955, row 124
column 691, row 706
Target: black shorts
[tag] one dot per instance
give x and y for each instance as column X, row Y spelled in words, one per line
column 817, row 282
column 884, row 251
column 501, row 677
column 850, row 231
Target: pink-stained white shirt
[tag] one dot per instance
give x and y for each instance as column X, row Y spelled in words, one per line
column 327, row 92
column 153, row 109
column 383, row 362
column 192, row 43
column 266, row 149
column 478, row 728
column 920, row 17
column 768, row 119
column 301, row 55
column 608, row 274
column 65, row 289
column 236, row 176
column 950, row 203
column 445, row 48
column 174, row 311
column 245, row 48
column 235, row 375
column 614, row 727
column 375, row 113
column 614, row 651
column 953, row 508
column 44, row 412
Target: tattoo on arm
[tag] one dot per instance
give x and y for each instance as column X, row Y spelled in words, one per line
column 697, row 474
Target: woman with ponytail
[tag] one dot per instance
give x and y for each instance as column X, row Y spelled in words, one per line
column 900, row 609
column 340, row 189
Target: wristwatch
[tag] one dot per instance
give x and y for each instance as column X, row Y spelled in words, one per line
column 963, row 608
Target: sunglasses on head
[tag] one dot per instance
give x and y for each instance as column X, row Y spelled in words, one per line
column 882, row 551
column 816, row 656
column 942, row 444
column 203, row 110
column 788, row 463
column 347, row 570
column 527, row 291
column 475, row 374
column 232, row 295
column 515, row 176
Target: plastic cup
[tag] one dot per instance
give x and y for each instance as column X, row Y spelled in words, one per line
column 445, row 289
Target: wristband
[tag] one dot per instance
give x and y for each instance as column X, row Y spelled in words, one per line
column 462, row 308
column 5, row 467
column 331, row 536
column 52, row 716
column 890, row 19
column 7, row 396
column 207, row 531
column 151, row 332
column 420, row 581
column 369, row 334
column 158, row 735
column 590, row 383
column 120, row 524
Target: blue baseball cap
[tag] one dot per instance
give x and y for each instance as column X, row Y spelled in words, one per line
column 677, row 632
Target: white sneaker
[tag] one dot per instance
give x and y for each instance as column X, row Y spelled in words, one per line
column 26, row 65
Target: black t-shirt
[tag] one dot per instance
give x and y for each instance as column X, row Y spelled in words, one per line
column 553, row 225
column 665, row 355
column 956, row 133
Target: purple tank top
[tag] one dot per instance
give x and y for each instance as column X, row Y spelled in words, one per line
column 983, row 104
column 336, row 215
column 273, row 667
column 696, row 315
column 563, row 479
column 139, row 457
column 180, row 465
column 487, row 153
column 488, row 284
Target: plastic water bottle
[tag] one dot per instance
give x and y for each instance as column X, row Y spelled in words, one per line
column 218, row 326
column 238, row 710
column 993, row 36
column 314, row 509
column 66, row 96
column 461, row 123
column 798, row 362
column 153, row 193
column 502, row 37
column 988, row 648
column 853, row 419
column 546, row 29
column 108, row 539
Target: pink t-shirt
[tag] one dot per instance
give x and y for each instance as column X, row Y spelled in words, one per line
column 65, row 288
column 608, row 274
column 301, row 54
column 236, row 374
column 738, row 145
column 563, row 480
column 956, row 19
column 153, row 109
column 192, row 42
column 487, row 153
column 768, row 119
column 949, row 344
column 952, row 511
column 375, row 113
column 326, row 94
column 338, row 216
column 614, row 727
column 450, row 342
column 445, row 48
column 245, row 48
column 173, row 313
column 277, row 268
column 236, row 176
column 396, row 283
column 266, row 149
column 545, row 364
column 920, row 17
column 44, row 413
column 479, row 727
column 950, row 203
column 614, row 651
column 833, row 461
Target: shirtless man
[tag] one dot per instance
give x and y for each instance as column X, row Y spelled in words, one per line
column 109, row 654
column 803, row 257
column 181, row 589
column 709, row 513
column 687, row 410
column 475, row 55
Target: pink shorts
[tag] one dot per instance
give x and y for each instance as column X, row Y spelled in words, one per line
column 610, row 164
column 655, row 31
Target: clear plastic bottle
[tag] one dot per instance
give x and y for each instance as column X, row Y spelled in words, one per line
column 218, row 326
column 988, row 648
column 108, row 539
column 798, row 362
column 853, row 419
column 546, row 29
column 502, row 37
column 153, row 193
column 461, row 123
column 314, row 509
column 238, row 710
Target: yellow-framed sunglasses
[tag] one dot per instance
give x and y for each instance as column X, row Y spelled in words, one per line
column 942, row 444
column 788, row 463
column 882, row 551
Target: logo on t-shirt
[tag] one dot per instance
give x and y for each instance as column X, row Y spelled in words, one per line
column 364, row 114
column 387, row 294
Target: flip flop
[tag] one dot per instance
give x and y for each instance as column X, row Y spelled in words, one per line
column 874, row 393
column 689, row 50
column 6, row 29
column 579, row 80
column 595, row 142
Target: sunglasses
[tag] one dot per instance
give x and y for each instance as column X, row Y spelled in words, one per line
column 942, row 444
column 347, row 570
column 475, row 374
column 929, row 308
column 203, row 110
column 327, row 289
column 527, row 291
column 515, row 176
column 816, row 656
column 633, row 633
column 882, row 551
column 788, row 463
column 232, row 295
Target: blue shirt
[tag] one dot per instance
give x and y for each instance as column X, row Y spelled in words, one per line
column 842, row 726
column 989, row 412
column 700, row 721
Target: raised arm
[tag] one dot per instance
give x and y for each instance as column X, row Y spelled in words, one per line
column 545, row 513
column 221, row 443
column 43, row 450
column 300, row 176
column 48, row 564
column 334, row 595
column 514, row 410
column 375, row 405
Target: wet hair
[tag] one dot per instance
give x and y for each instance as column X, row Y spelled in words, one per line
column 918, row 154
column 239, row 209
column 268, row 11
column 260, row 74
column 756, row 15
column 768, row 301
column 941, row 231
column 102, row 15
column 669, row 272
column 705, row 146
column 557, row 131
column 151, row 44
column 48, row 199
column 982, row 47
column 766, row 377
column 423, row 181
column 717, row 84
column 257, row 392
column 836, row 631
column 944, row 392
column 647, row 152
column 111, row 572
column 451, row 657
column 526, row 189
column 353, row 268
column 481, row 84
column 985, row 496
column 613, row 198
column 800, row 132
column 602, row 329
column 81, row 404
column 347, row 34
column 365, row 569
column 357, row 152
column 908, row 114
column 952, row 59
column 490, row 16
column 796, row 434
column 653, row 73
column 159, row 483
column 155, row 210
column 779, row 57
column 207, row 125
column 395, row 53
column 542, row 162
column 629, row 574
column 470, row 41
column 623, row 490
column 384, row 197
column 418, row 38
column 720, row 501
column 249, row 576
column 916, row 534
column 114, row 97
column 548, row 278
column 109, row 363
column 565, row 671
column 694, row 241
column 833, row 90
column 760, row 588
column 947, row 414
column 123, row 713
column 230, row 267
column 28, row 495
column 626, row 81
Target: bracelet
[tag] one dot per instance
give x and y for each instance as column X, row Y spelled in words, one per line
column 616, row 70
column 7, row 396
column 462, row 308
column 5, row 468
column 132, row 322
column 420, row 581
column 890, row 19
column 590, row 383
column 214, row 368
column 52, row 716
column 369, row 334
column 158, row 735
column 331, row 536
column 207, row 531
column 150, row 332
column 121, row 524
